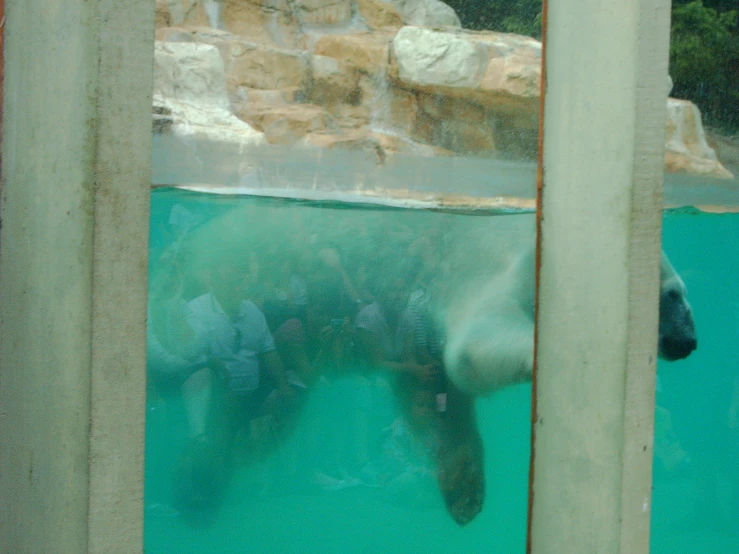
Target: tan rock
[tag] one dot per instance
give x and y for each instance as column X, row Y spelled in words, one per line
column 516, row 75
column 727, row 150
column 323, row 12
column 428, row 13
column 190, row 83
column 349, row 117
column 262, row 67
column 333, row 81
column 428, row 59
column 686, row 148
column 287, row 124
column 446, row 107
column 377, row 14
column 389, row 107
column 263, row 21
column 458, row 125
column 496, row 70
column 388, row 91
column 181, row 12
column 162, row 17
column 253, row 65
column 366, row 51
column 278, row 97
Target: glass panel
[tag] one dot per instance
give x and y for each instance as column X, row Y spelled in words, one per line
column 352, row 454
column 342, row 151
column 361, row 180
column 696, row 448
column 696, row 445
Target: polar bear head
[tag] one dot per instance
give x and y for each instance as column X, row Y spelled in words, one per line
column 490, row 341
column 676, row 325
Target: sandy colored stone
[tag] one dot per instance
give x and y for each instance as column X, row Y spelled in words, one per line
column 366, row 51
column 426, row 13
column 287, row 124
column 446, row 107
column 496, row 70
column 686, row 148
column 428, row 59
column 727, row 150
column 190, row 83
column 277, row 97
column 162, row 17
column 377, row 14
column 248, row 64
column 514, row 75
column 458, row 124
column 350, row 117
column 265, row 21
column 379, row 91
column 181, row 12
column 333, row 81
column 323, row 12
column 262, row 67
column 389, row 107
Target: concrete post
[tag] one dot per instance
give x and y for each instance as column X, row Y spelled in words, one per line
column 76, row 154
column 604, row 122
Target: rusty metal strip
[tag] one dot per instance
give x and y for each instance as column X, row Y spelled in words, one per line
column 539, row 191
column 2, row 74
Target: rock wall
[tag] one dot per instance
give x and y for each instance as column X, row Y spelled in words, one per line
column 387, row 76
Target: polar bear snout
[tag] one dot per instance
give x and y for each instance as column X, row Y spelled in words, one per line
column 677, row 339
column 672, row 349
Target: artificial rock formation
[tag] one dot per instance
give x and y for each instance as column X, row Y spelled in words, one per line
column 390, row 76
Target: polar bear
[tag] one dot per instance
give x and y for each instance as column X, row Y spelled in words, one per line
column 481, row 282
column 489, row 332
column 490, row 338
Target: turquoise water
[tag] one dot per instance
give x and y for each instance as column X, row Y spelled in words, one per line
column 278, row 504
column 696, row 499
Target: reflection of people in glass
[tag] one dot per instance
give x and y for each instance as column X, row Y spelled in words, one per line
column 172, row 348
column 242, row 367
column 409, row 465
column 378, row 331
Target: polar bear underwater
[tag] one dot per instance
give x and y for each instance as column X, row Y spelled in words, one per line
column 482, row 301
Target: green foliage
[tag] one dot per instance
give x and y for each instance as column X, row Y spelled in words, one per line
column 704, row 61
column 508, row 16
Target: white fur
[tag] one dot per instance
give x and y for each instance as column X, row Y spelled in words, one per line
column 490, row 334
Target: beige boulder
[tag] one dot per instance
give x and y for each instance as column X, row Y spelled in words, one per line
column 287, row 124
column 377, row 14
column 181, row 12
column 249, row 64
column 333, row 81
column 686, row 148
column 500, row 71
column 190, row 83
column 322, row 12
column 428, row 13
column 727, row 150
column 388, row 107
column 367, row 51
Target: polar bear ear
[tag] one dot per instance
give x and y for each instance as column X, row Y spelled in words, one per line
column 666, row 269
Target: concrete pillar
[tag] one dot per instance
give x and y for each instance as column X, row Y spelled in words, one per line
column 604, row 121
column 76, row 155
